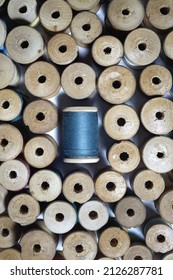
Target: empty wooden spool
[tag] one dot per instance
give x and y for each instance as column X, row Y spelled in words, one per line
column 138, row 252
column 9, row 74
column 164, row 205
column 3, row 199
column 83, row 5
column 9, row 232
column 10, row 254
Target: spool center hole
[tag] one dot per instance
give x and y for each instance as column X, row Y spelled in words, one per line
column 161, row 238
column 39, row 152
column 55, row 15
column 42, row 79
column 93, row 215
column 37, row 248
column 4, row 142
column 149, row 185
column 78, row 81
column 125, row 12
column 130, row 212
column 24, row 44
column 13, row 174
column 160, row 115
column 107, row 50
column 124, row 156
column 110, row 186
column 121, row 122
column 86, row 27
column 114, row 242
column 79, row 249
column 45, row 186
column 156, row 80
column 59, row 217
column 165, row 11
column 5, row 232
column 138, row 258
column 116, row 84
column 142, row 46
column 5, row 105
column 160, row 155
column 78, row 188
column 40, row 116
column 23, row 9
column 24, row 209
column 63, row 48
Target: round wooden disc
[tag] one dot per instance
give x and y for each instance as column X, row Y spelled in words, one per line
column 7, row 71
column 164, row 206
column 14, row 175
column 157, row 154
column 45, row 185
column 37, row 245
column 114, row 242
column 138, row 252
column 42, row 79
column 148, row 185
column 142, row 47
column 78, row 187
column 78, row 80
column 86, row 27
column 168, row 256
column 121, row 122
column 168, row 45
column 107, row 50
column 116, row 84
column 9, row 232
column 93, row 215
column 24, row 44
column 83, row 5
column 10, row 105
column 155, row 80
column 79, row 245
column 11, row 142
column 125, row 15
column 60, row 217
column 55, row 16
column 3, row 199
column 3, row 32
column 130, row 212
column 124, row 157
column 110, row 186
column 10, row 254
column 40, row 151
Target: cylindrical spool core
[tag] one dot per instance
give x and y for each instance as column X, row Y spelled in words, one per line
column 45, row 185
column 167, row 45
column 164, row 206
column 116, row 84
column 110, row 186
column 9, row 232
column 3, row 199
column 10, row 254
column 3, row 32
column 42, row 80
column 79, row 245
column 9, row 75
column 83, row 5
column 138, row 252
column 78, row 187
column 114, row 242
column 157, row 154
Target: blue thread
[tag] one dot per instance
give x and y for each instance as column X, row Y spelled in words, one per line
column 80, row 134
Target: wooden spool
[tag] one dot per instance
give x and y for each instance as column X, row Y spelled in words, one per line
column 164, row 205
column 121, row 122
column 148, row 185
column 157, row 115
column 23, row 209
column 40, row 151
column 42, row 80
column 24, row 44
column 141, row 47
column 45, row 185
column 78, row 80
column 9, row 232
column 3, row 199
column 130, row 212
column 83, row 5
column 79, row 245
column 85, row 28
column 11, row 142
column 110, row 186
column 116, row 84
column 3, row 32
column 124, row 157
column 60, row 217
column 55, row 17
column 2, row 2
column 168, row 45
column 168, row 256
column 107, row 50
column 14, row 175
column 138, row 252
column 78, row 187
column 10, row 254
column 155, row 80
column 114, row 242
column 93, row 215
column 37, row 245
column 9, row 75
column 62, row 49
column 157, row 154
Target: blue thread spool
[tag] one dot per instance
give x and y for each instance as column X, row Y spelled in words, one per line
column 80, row 135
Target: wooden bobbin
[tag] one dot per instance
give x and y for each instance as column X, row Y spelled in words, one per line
column 62, row 49
column 37, row 245
column 3, row 199
column 155, row 80
column 14, row 175
column 78, row 187
column 93, row 215
column 11, row 142
column 9, row 75
column 55, row 17
column 141, row 47
column 138, row 252
column 3, row 32
column 85, row 28
column 83, row 5
column 157, row 154
column 124, row 157
column 45, row 185
column 60, row 217
column 107, row 50
column 40, row 116
column 78, row 80
column 130, row 212
column 9, row 232
column 125, row 15
column 23, row 209
column 10, row 254
column 164, row 205
column 148, row 185
column 40, row 151
column 168, row 45
column 24, row 44
column 116, row 84
column 23, row 10
column 110, row 186
column 168, row 256
column 42, row 80
column 121, row 122
column 80, row 245
column 114, row 242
